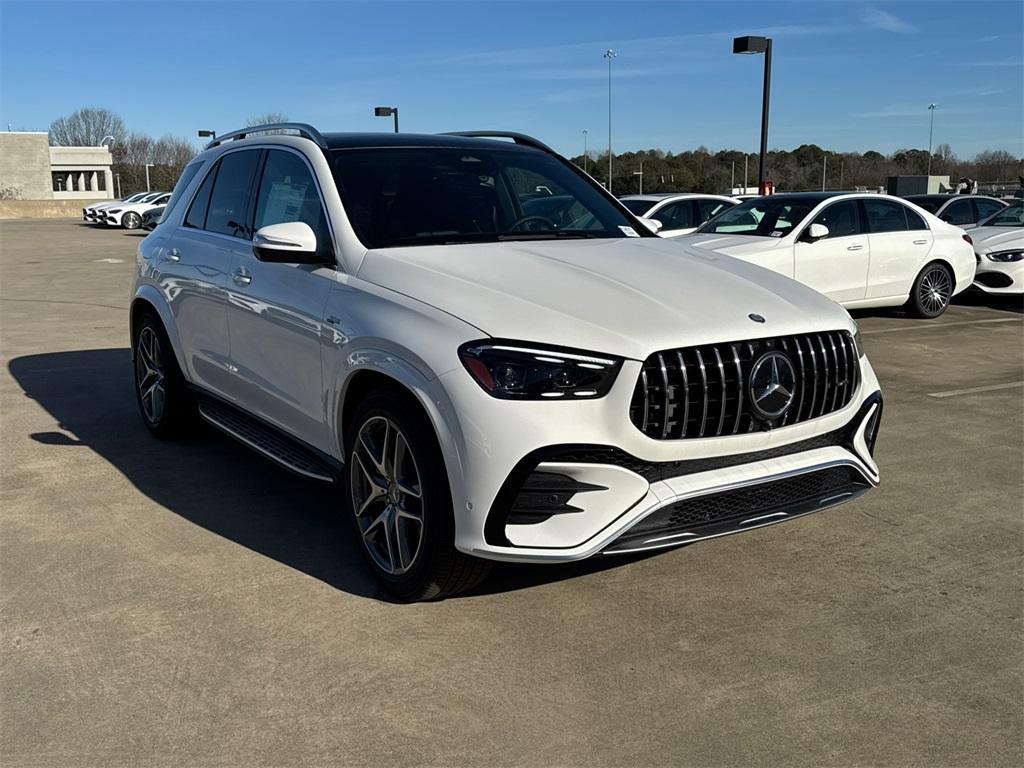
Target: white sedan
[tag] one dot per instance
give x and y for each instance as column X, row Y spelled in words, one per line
column 999, row 245
column 130, row 216
column 679, row 214
column 861, row 250
column 94, row 213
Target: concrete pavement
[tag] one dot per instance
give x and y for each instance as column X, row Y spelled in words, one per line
column 189, row 604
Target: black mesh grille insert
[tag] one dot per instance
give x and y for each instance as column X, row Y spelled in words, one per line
column 704, row 391
column 743, row 503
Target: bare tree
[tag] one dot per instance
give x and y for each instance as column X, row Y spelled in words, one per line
column 86, row 127
column 267, row 118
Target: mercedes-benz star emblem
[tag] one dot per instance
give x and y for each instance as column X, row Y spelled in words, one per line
column 772, row 385
column 756, row 317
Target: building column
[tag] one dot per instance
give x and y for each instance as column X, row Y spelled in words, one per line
column 70, row 186
column 94, row 183
column 81, row 181
column 110, row 183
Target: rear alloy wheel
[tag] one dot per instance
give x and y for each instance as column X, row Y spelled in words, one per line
column 400, row 502
column 932, row 291
column 131, row 220
column 167, row 407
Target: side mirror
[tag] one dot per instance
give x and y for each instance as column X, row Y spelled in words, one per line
column 814, row 233
column 292, row 242
column 652, row 224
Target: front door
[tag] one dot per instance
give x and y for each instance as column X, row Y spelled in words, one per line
column 275, row 311
column 836, row 265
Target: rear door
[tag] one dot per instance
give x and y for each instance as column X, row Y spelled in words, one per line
column 275, row 311
column 195, row 266
column 836, row 265
column 900, row 243
column 677, row 218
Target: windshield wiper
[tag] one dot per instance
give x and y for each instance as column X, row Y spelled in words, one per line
column 565, row 234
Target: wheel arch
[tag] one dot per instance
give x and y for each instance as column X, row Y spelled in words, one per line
column 427, row 395
column 148, row 299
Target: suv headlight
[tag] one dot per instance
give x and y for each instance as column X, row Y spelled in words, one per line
column 517, row 371
column 1014, row 254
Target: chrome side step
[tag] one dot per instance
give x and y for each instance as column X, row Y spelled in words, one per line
column 265, row 440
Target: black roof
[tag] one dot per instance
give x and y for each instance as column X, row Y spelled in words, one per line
column 814, row 197
column 382, row 139
column 935, row 196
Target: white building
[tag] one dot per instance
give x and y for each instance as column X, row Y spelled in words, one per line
column 30, row 169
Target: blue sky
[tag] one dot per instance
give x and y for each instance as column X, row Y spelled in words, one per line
column 846, row 75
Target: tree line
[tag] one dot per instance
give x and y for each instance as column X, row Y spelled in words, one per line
column 803, row 168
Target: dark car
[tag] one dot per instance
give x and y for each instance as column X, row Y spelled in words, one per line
column 960, row 210
column 151, row 218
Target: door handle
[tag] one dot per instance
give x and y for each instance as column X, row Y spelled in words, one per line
column 174, row 255
column 920, row 242
column 241, row 276
column 854, row 247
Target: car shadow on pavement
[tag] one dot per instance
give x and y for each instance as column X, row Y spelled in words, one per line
column 220, row 485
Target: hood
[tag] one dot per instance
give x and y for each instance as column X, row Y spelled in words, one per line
column 996, row 238
column 733, row 245
column 629, row 297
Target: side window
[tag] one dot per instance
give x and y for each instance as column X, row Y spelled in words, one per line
column 885, row 216
column 196, row 216
column 666, row 215
column 958, row 212
column 986, row 208
column 842, row 219
column 232, row 191
column 711, row 208
column 288, row 193
column 183, row 181
column 914, row 221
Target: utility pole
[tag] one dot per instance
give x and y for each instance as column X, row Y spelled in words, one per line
column 732, row 178
column 931, row 128
column 584, row 150
column 745, row 158
column 609, row 54
column 640, row 173
column 824, row 169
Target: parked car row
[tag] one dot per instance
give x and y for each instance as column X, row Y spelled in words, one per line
column 127, row 212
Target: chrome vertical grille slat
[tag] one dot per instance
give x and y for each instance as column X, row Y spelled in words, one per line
column 704, row 392
column 678, row 395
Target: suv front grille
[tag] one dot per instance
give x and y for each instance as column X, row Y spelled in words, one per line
column 704, row 391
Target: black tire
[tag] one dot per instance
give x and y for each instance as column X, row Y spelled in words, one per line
column 435, row 569
column 932, row 291
column 131, row 220
column 168, row 409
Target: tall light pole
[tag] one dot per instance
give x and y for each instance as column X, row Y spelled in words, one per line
column 759, row 45
column 387, row 112
column 584, row 150
column 148, row 166
column 609, row 54
column 824, row 168
column 118, row 175
column 931, row 127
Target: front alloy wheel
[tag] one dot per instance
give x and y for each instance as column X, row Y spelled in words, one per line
column 387, row 495
column 131, row 220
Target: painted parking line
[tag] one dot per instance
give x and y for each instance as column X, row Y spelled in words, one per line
column 931, row 326
column 972, row 390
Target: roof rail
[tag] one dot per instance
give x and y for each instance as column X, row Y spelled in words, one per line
column 518, row 138
column 304, row 130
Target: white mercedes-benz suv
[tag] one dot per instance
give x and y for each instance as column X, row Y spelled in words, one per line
column 376, row 310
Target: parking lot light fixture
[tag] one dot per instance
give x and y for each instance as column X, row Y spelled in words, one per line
column 753, row 44
column 387, row 112
column 609, row 54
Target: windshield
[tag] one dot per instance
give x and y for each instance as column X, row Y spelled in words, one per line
column 639, row 207
column 406, row 196
column 762, row 217
column 1011, row 216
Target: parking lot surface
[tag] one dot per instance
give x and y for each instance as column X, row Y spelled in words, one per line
column 190, row 604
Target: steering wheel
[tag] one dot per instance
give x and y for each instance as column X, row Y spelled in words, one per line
column 523, row 219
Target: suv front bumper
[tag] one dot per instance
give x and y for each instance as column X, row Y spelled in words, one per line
column 585, row 481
